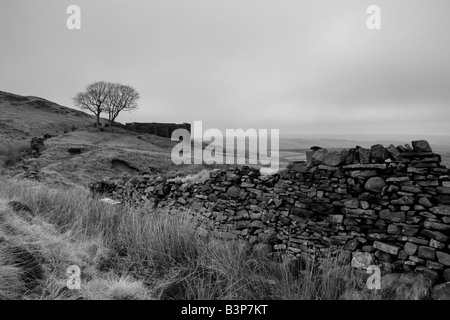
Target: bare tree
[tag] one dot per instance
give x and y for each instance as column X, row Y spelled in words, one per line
column 94, row 98
column 120, row 98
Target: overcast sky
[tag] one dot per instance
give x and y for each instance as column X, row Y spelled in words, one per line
column 308, row 66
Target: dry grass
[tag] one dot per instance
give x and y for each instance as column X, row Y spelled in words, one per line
column 96, row 156
column 10, row 154
column 26, row 117
column 127, row 253
column 198, row 177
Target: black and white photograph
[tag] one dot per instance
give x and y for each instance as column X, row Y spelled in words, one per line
column 225, row 158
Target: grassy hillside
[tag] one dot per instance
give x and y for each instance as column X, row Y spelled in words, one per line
column 25, row 117
column 91, row 154
column 79, row 153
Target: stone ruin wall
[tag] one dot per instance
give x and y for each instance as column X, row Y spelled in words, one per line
column 389, row 204
column 160, row 129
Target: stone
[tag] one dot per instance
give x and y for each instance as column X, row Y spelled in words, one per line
column 318, row 156
column 360, row 213
column 375, row 184
column 285, row 220
column 408, row 147
column 336, row 218
column 446, row 275
column 410, row 248
column 412, row 189
column 443, row 258
column 403, row 201
column 368, row 248
column 441, row 291
column 402, row 149
column 335, row 158
column 262, row 248
column 409, row 230
column 351, row 245
column 256, row 216
column 257, row 224
column 439, row 236
column 436, row 226
column 421, row 146
column 386, row 248
column 363, row 173
column 364, row 204
column 397, row 179
column 436, row 244
column 426, row 202
column 328, row 168
column 417, row 240
column 378, row 154
column 213, row 198
column 361, row 260
column 368, row 166
column 234, row 192
column 247, row 185
column 393, row 229
column 432, row 265
column 426, row 183
column 297, row 167
column 242, row 213
column 329, row 158
column 242, row 224
column 392, row 216
column 279, row 247
column 351, row 203
column 349, row 159
column 301, row 212
column 426, row 253
column 444, row 190
column 393, row 152
column 442, row 210
column 309, row 159
column 384, row 256
column 322, row 208
column 364, row 155
column 442, row 199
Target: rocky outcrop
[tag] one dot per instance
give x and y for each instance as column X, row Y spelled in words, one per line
column 390, row 204
column 37, row 145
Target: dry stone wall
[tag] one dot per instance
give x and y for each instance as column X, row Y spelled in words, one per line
column 391, row 204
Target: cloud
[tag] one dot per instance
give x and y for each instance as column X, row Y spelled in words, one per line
column 300, row 66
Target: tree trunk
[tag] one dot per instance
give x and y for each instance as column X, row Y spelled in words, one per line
column 111, row 120
column 98, row 120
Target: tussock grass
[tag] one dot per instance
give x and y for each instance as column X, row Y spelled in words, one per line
column 142, row 253
column 12, row 153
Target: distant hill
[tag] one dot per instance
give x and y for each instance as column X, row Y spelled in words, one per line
column 25, row 117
